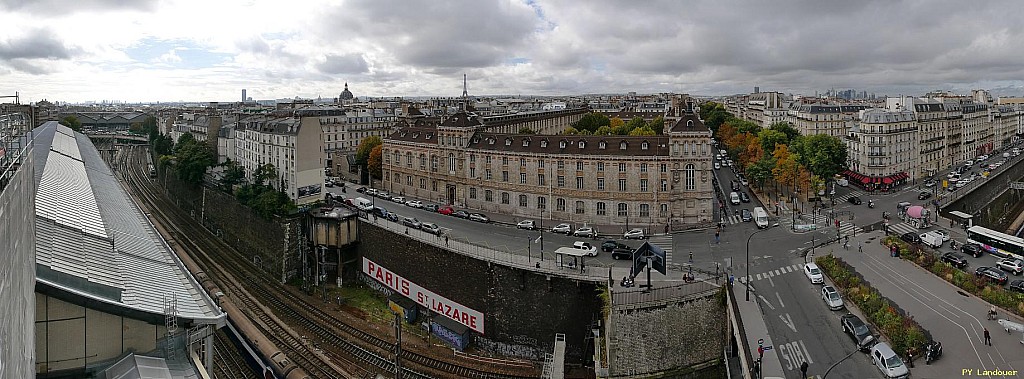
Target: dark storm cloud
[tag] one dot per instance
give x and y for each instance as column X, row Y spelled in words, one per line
column 58, row 7
column 29, row 67
column 437, row 36
column 36, row 44
column 343, row 64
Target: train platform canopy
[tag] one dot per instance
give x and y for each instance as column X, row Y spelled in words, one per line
column 95, row 247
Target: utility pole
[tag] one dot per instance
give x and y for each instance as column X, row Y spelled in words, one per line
column 398, row 346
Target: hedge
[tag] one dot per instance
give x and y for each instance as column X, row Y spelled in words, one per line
column 967, row 281
column 901, row 330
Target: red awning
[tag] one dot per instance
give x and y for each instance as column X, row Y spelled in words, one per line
column 878, row 180
column 865, row 180
column 887, row 180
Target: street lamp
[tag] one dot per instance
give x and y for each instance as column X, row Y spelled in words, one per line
column 747, row 280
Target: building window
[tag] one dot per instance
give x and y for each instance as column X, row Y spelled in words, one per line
column 488, row 195
column 522, row 200
column 433, row 185
column 664, row 167
column 472, row 193
column 579, row 166
column 472, row 172
column 504, row 197
column 583, row 144
column 540, row 163
column 600, row 166
column 664, row 210
column 408, row 159
column 622, row 145
column 540, row 180
column 504, row 161
column 561, row 181
column 472, row 158
column 423, row 183
column 579, row 182
column 600, row 208
column 643, row 167
column 542, row 202
column 522, row 178
column 643, row 185
column 622, row 167
column 398, row 178
column 622, row 185
column 561, row 164
column 487, row 159
column 691, row 182
column 504, row 176
column 423, row 161
column 623, row 210
column 664, row 185
column 522, row 162
column 600, row 184
column 560, row 205
column 643, row 146
column 579, row 207
column 433, row 163
column 451, row 162
column 487, row 174
column 601, row 145
column 645, row 210
column 544, row 143
column 408, row 180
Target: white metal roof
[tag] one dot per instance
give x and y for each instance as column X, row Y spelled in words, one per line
column 93, row 241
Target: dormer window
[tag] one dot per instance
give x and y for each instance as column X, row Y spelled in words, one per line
column 526, row 142
column 583, row 144
column 622, row 145
column 561, row 144
column 643, row 145
column 544, row 143
column 490, row 141
column 689, row 123
column 508, row 142
column 430, row 135
column 476, row 140
column 415, row 135
column 601, row 145
column 403, row 134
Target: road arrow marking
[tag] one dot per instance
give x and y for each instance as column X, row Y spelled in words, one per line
column 766, row 302
column 783, row 305
column 788, row 322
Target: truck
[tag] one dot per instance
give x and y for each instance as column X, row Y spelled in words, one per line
column 760, row 218
column 363, row 203
column 932, row 239
column 578, row 248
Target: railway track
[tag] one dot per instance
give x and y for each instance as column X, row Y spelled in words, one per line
column 277, row 304
column 229, row 364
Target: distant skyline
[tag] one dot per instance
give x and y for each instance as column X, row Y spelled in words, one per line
column 183, row 50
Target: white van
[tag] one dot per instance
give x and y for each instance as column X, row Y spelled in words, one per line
column 760, row 218
column 734, row 198
column 932, row 239
column 363, row 204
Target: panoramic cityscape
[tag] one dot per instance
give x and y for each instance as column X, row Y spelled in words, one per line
column 378, row 189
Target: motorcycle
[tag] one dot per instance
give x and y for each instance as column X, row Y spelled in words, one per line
column 871, row 203
column 932, row 351
column 627, row 282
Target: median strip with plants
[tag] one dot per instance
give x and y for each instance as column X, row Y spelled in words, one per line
column 978, row 286
column 901, row 330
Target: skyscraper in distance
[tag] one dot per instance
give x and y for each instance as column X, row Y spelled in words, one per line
column 243, row 95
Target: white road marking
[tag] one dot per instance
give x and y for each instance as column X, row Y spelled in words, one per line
column 781, row 304
column 771, row 281
column 788, row 322
column 766, row 302
column 758, row 276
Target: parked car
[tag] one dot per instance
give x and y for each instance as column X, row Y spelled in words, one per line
column 361, row 189
column 854, row 327
column 430, row 207
column 718, row 166
column 923, row 195
column 992, row 274
column 973, row 249
column 832, row 298
column 562, row 228
column 855, row 200
column 610, row 245
column 746, row 216
column 1016, row 285
column 479, row 217
column 411, row 222
column 380, row 211
column 888, row 362
column 957, row 260
column 744, row 198
column 446, row 210
column 414, row 203
column 431, row 228
column 743, row 180
column 393, row 217
column 929, row 183
column 526, row 224
column 622, row 253
column 813, row 273
column 398, row 199
column 585, row 231
column 910, row 237
column 637, row 234
column 328, row 183
column 382, row 195
column 735, row 185
column 1013, row 265
column 461, row 214
column 943, row 233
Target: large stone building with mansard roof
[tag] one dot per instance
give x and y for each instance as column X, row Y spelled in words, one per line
column 604, row 180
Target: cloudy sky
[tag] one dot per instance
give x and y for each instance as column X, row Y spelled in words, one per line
column 169, row 50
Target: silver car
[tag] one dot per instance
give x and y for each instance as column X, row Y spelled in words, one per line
column 562, row 228
column 832, row 298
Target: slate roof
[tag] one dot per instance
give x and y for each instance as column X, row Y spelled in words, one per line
column 576, row 145
column 93, row 242
column 689, row 122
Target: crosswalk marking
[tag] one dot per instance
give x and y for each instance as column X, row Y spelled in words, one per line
column 773, row 273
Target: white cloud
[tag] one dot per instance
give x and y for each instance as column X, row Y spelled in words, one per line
column 90, row 48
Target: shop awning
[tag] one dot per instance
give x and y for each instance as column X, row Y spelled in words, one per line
column 865, row 180
column 887, row 180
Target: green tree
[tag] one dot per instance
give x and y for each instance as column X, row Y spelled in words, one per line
column 657, row 125
column 759, row 172
column 149, row 127
column 784, row 127
column 714, row 115
column 192, row 158
column 591, row 122
column 603, row 131
column 233, row 174
column 135, row 127
column 770, row 138
column 71, row 122
column 635, row 123
column 744, row 126
column 526, row 130
column 264, row 174
column 642, row 131
column 162, row 144
column 374, row 162
column 570, row 131
column 365, row 147
column 825, row 155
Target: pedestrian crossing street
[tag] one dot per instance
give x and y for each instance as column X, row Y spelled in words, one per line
column 733, row 220
column 798, row 268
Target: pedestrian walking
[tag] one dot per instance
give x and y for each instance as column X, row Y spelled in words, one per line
column 846, row 245
column 988, row 338
column 691, row 257
column 717, row 234
column 446, row 240
column 860, row 247
column 950, row 223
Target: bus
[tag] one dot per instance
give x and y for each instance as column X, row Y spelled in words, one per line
column 152, row 171
column 996, row 243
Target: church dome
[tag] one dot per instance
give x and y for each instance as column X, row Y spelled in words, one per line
column 346, row 94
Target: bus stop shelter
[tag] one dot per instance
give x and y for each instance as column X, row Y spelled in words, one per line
column 963, row 219
column 566, row 257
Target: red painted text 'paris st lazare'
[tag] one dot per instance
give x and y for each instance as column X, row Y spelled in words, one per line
column 462, row 314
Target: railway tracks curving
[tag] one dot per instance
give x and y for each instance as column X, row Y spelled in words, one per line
column 337, row 343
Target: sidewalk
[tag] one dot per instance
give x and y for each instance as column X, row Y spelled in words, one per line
column 755, row 328
column 953, row 317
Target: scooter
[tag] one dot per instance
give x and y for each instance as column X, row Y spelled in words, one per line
column 932, row 351
column 871, row 203
column 627, row 282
